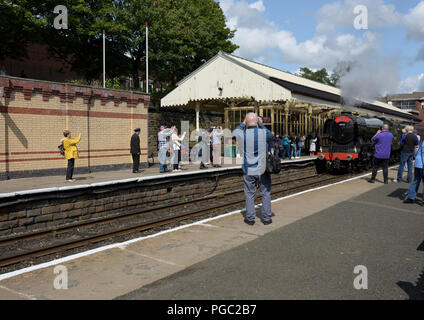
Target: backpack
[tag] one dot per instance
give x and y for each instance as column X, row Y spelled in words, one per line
column 61, row 149
column 273, row 163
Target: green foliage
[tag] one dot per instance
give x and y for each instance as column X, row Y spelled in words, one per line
column 18, row 26
column 182, row 35
column 114, row 83
column 340, row 70
column 319, row 76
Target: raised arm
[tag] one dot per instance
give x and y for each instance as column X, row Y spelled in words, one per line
column 75, row 141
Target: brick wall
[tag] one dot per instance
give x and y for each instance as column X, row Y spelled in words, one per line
column 24, row 214
column 33, row 115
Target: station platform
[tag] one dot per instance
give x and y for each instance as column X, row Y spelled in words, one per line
column 97, row 178
column 309, row 252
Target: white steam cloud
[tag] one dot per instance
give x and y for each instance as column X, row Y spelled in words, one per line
column 370, row 78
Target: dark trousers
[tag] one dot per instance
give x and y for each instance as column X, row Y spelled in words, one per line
column 136, row 161
column 286, row 152
column 70, row 169
column 384, row 163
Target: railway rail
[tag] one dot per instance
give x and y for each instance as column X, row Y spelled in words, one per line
column 88, row 234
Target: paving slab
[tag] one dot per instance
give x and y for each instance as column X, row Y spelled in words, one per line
column 85, row 179
column 118, row 271
column 315, row 257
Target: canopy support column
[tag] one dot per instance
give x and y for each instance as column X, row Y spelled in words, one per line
column 197, row 115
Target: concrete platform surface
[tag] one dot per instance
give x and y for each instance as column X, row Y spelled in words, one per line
column 309, row 252
column 23, row 184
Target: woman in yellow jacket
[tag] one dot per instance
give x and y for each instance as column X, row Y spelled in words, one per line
column 71, row 153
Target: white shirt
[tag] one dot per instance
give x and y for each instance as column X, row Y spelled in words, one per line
column 176, row 141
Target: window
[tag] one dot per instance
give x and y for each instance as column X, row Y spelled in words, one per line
column 406, row 104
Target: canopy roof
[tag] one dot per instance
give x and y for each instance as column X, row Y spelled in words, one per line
column 226, row 76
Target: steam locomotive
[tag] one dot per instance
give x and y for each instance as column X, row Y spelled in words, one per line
column 347, row 144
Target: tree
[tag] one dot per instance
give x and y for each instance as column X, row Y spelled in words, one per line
column 340, row 70
column 18, row 27
column 81, row 45
column 319, row 76
column 182, row 35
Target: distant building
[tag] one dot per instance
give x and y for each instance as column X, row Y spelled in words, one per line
column 409, row 102
column 40, row 66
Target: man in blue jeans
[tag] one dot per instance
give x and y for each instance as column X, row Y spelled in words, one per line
column 418, row 176
column 254, row 140
column 408, row 143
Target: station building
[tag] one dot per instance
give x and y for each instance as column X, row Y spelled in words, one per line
column 288, row 103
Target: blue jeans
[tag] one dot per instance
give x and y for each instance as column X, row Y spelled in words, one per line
column 413, row 189
column 299, row 151
column 162, row 160
column 405, row 158
column 264, row 182
column 286, row 152
column 293, row 151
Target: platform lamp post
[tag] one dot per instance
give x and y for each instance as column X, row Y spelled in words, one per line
column 104, row 60
column 147, row 58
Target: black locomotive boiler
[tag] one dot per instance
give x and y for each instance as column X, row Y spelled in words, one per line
column 347, row 144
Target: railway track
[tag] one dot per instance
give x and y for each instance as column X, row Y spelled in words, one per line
column 87, row 234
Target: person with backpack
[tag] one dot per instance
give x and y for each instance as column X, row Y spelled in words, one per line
column 286, row 147
column 408, row 142
column 71, row 153
column 254, row 141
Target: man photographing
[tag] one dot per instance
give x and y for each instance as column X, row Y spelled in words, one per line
column 383, row 147
column 253, row 143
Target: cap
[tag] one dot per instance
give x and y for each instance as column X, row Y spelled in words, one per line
column 137, row 130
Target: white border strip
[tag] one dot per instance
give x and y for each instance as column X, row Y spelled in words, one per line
column 126, row 243
column 139, row 180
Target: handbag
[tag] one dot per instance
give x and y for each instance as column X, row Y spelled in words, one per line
column 273, row 163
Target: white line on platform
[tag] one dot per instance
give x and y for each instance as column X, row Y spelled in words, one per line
column 150, row 257
column 140, row 180
column 122, row 245
column 23, row 295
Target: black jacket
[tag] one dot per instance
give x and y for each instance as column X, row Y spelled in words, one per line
column 135, row 144
column 409, row 143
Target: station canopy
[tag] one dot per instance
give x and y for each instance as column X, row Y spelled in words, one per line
column 226, row 78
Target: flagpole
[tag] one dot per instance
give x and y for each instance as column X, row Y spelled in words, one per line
column 147, row 58
column 104, row 61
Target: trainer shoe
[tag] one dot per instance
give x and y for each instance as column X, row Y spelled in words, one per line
column 250, row 223
column 407, row 200
column 371, row 181
column 396, row 180
column 267, row 222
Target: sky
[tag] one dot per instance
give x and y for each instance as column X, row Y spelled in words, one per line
column 387, row 53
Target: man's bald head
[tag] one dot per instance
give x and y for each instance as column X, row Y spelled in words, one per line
column 251, row 119
column 386, row 127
